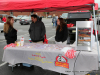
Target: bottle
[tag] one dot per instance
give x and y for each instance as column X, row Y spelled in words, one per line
column 22, row 41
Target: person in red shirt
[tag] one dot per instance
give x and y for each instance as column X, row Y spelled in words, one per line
column 4, row 19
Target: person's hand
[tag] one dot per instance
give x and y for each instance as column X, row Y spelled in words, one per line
column 15, row 42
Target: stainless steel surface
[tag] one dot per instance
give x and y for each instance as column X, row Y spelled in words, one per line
column 80, row 28
column 84, row 48
column 76, row 36
column 96, row 32
column 82, row 24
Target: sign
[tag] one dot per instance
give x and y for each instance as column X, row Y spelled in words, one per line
column 61, row 61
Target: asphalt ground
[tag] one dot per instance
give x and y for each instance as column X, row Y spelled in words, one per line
column 22, row 31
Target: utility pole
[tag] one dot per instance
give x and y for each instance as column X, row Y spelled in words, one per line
column 11, row 13
column 46, row 14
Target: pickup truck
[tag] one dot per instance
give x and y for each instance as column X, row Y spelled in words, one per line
column 72, row 17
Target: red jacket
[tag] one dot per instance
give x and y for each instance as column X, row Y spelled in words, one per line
column 4, row 19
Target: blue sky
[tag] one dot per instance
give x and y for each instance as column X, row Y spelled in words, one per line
column 98, row 1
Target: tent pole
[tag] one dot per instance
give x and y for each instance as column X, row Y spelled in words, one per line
column 96, row 31
column 97, row 20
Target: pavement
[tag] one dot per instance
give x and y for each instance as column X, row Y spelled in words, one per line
column 23, row 32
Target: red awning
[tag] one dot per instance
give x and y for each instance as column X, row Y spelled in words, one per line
column 45, row 5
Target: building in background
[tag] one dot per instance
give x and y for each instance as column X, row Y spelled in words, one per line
column 38, row 13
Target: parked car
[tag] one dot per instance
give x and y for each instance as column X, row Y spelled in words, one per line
column 4, row 15
column 95, row 16
column 25, row 20
column 1, row 25
column 14, row 18
column 98, row 20
column 42, row 16
column 64, row 16
column 19, row 17
column 49, row 16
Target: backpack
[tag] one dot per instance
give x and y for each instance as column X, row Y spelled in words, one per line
column 53, row 20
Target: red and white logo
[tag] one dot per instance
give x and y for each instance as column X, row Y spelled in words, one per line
column 61, row 61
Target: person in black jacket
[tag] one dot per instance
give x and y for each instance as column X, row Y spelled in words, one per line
column 9, row 32
column 37, row 30
column 61, row 32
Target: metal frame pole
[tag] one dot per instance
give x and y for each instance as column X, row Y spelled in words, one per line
column 98, row 21
column 96, row 31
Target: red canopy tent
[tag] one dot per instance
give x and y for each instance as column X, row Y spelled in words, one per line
column 45, row 5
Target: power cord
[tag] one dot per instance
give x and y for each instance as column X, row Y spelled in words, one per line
column 75, row 62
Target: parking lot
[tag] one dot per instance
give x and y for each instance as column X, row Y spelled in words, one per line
column 22, row 31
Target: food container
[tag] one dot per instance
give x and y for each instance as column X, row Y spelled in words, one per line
column 18, row 43
column 84, row 35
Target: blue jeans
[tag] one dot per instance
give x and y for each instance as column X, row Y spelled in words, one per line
column 55, row 23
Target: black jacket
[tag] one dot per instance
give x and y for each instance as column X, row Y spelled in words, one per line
column 37, row 31
column 40, row 18
column 11, row 36
column 61, row 36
